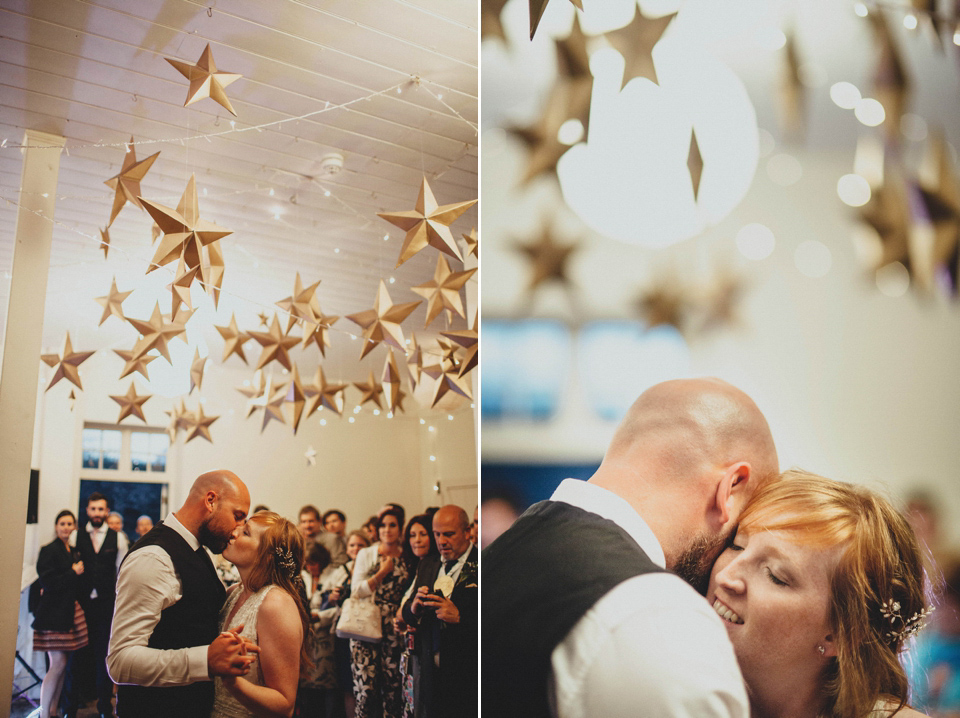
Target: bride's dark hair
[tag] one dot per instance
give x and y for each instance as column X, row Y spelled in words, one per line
column 279, row 562
column 877, row 592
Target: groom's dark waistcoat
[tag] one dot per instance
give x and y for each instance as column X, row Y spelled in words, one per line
column 540, row 577
column 191, row 621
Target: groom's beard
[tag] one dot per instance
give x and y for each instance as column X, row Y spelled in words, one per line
column 694, row 564
column 211, row 540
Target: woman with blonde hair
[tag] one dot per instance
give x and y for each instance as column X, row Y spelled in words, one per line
column 268, row 553
column 820, row 590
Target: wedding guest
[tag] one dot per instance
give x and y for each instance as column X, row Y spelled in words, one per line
column 115, row 521
column 144, row 524
column 335, row 522
column 59, row 624
column 356, row 540
column 319, row 694
column 311, row 528
column 369, row 528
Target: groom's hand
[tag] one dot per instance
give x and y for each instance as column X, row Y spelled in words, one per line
column 230, row 654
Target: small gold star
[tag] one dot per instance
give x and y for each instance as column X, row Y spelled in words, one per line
column 131, row 404
column 68, row 364
column 112, row 303
column 205, row 80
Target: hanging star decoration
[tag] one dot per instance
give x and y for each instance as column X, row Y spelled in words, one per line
column 569, row 99
column 276, row 345
column 936, row 254
column 536, row 12
column 548, row 259
column 67, row 363
column 311, row 456
column 721, row 299
column 888, row 213
column 264, row 319
column 254, row 392
column 198, row 424
column 184, row 234
column 666, row 302
column 295, row 399
column 382, row 323
column 932, row 18
column 179, row 419
column 414, row 361
column 370, row 391
column 155, row 231
column 127, row 183
column 319, row 333
column 271, row 401
column 445, row 382
column 206, row 80
column 473, row 243
column 322, row 394
column 180, row 288
column 635, row 42
column 131, row 404
column 490, row 25
column 155, row 333
column 299, row 305
column 134, row 362
column 695, row 164
column 891, row 84
column 427, row 224
column 213, row 269
column 233, row 339
column 443, row 291
column 196, row 370
column 469, row 340
column 113, row 303
column 390, row 381
column 793, row 96
column 105, row 241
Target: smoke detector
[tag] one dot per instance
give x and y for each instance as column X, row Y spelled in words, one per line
column 331, row 164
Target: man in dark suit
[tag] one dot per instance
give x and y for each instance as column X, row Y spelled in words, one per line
column 444, row 610
column 101, row 552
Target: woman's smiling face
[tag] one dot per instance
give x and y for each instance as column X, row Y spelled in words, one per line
column 773, row 594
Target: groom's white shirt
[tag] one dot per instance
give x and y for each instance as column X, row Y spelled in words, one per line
column 651, row 646
column 146, row 585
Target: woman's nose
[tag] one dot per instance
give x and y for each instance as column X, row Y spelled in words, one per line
column 731, row 577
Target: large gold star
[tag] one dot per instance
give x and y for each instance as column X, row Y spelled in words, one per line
column 468, row 340
column 233, row 339
column 548, row 259
column 184, row 233
column 635, row 42
column 427, row 224
column 205, row 80
column 382, row 323
column 276, row 345
column 131, row 404
column 536, row 12
column 198, row 424
column 443, row 291
column 68, row 364
column 445, row 382
column 324, row 394
column 155, row 333
column 390, row 381
column 127, row 182
column 134, row 362
column 113, row 302
column 370, row 391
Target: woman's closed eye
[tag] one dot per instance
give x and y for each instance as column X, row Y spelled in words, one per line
column 773, row 577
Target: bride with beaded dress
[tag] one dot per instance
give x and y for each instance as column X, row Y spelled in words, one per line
column 268, row 553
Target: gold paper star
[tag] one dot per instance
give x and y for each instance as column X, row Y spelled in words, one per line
column 196, row 370
column 296, row 399
column 319, row 332
column 473, row 243
column 233, row 339
column 131, row 404
column 155, row 333
column 257, row 393
column 272, row 403
column 390, row 381
column 67, row 363
column 940, row 199
column 276, row 345
column 113, row 302
column 264, row 319
column 888, row 212
column 155, row 230
column 446, row 382
column 105, row 241
column 490, row 25
column 793, row 95
column 127, row 182
column 382, row 323
column 300, row 304
column 370, row 390
column 180, row 288
column 414, row 361
column 184, row 233
column 666, row 302
column 179, row 419
column 198, row 424
column 721, row 301
column 547, row 258
column 468, row 340
column 635, row 42
column 443, row 291
column 205, row 80
column 323, row 394
column 212, row 271
column 536, row 12
column 134, row 362
column 311, row 455
column 695, row 164
column 427, row 224
column 891, row 84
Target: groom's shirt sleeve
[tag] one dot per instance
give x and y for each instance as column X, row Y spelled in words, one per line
column 146, row 585
column 651, row 646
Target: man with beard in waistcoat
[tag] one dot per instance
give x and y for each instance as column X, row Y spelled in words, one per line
column 580, row 617
column 166, row 644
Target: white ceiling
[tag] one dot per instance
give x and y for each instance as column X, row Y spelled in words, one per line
column 94, row 73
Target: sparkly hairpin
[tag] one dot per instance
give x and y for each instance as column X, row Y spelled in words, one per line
column 891, row 610
column 285, row 559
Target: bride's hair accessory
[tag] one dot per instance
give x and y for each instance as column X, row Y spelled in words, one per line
column 285, row 560
column 891, row 610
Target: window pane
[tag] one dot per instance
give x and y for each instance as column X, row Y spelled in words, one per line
column 138, row 462
column 159, row 443
column 91, row 439
column 159, row 463
column 112, row 440
column 139, row 442
column 91, row 459
column 111, row 459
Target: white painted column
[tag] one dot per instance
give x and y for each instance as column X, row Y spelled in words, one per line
column 20, row 373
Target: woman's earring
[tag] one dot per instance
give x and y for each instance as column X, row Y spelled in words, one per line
column 821, row 650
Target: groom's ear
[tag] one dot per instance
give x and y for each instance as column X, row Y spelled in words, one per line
column 732, row 491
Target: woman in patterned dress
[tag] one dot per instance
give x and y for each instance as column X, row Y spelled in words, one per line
column 265, row 608
column 59, row 624
column 380, row 572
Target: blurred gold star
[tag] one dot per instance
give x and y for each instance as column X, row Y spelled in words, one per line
column 548, row 259
column 370, row 391
column 324, row 394
column 635, row 42
column 131, row 404
column 134, row 362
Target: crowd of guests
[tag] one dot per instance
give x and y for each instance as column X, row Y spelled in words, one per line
column 420, row 574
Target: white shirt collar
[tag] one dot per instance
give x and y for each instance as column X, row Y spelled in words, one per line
column 607, row 504
column 172, row 522
column 102, row 530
